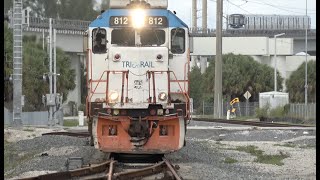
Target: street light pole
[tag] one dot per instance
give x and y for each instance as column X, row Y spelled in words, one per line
column 275, row 60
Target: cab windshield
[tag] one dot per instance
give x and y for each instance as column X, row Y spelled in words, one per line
column 132, row 37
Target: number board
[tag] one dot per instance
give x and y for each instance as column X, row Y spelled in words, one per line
column 150, row 21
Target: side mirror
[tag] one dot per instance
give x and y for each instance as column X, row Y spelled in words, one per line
column 170, row 55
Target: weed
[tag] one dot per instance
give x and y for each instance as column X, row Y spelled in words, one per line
column 250, row 149
column 12, row 158
column 309, row 146
column 286, row 145
column 271, row 159
column 230, row 160
column 70, row 123
column 29, row 130
column 263, row 158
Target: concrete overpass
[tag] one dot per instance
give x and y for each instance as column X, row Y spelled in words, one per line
column 257, row 43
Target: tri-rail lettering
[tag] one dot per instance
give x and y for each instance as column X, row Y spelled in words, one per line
column 141, row 64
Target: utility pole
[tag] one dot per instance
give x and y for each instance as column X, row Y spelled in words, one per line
column 53, row 99
column 55, row 73
column 306, row 66
column 218, row 64
column 50, row 71
column 17, row 63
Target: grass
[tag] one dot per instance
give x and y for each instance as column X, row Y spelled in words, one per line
column 229, row 160
column 309, row 146
column 70, row 123
column 263, row 158
column 286, row 145
column 29, row 130
column 12, row 158
column 244, row 117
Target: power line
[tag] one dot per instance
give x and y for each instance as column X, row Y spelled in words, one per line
column 238, row 7
column 275, row 6
column 287, row 7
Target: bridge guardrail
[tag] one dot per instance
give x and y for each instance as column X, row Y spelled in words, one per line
column 67, row 25
column 59, row 24
column 200, row 32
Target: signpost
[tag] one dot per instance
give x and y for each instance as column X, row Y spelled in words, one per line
column 247, row 95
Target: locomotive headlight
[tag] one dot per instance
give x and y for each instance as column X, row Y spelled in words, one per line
column 116, row 112
column 113, row 96
column 162, row 96
column 138, row 18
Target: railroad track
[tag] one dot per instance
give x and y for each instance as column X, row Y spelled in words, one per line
column 251, row 123
column 113, row 170
column 75, row 134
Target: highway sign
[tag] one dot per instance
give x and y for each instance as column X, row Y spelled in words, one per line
column 247, row 95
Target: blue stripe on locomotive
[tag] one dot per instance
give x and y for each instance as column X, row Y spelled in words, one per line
column 173, row 20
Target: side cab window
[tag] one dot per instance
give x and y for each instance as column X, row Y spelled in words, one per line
column 178, row 41
column 99, row 41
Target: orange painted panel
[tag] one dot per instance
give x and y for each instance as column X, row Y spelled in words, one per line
column 121, row 142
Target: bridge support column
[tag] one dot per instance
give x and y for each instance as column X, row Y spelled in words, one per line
column 194, row 61
column 203, row 64
column 194, row 15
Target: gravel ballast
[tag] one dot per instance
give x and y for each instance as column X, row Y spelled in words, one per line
column 208, row 154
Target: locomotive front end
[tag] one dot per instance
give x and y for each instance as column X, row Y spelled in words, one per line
column 138, row 98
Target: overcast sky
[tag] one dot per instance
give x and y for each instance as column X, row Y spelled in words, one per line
column 270, row 7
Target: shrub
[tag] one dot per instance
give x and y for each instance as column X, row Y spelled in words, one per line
column 277, row 112
column 262, row 113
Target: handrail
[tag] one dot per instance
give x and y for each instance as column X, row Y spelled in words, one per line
column 183, row 90
column 185, row 95
column 125, row 74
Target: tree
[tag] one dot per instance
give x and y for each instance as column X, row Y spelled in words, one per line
column 35, row 64
column 195, row 86
column 63, row 9
column 7, row 63
column 295, row 83
column 240, row 74
column 7, row 5
column 104, row 4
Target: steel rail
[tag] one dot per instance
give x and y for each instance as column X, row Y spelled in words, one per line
column 251, row 123
column 76, row 134
column 173, row 171
column 72, row 173
column 106, row 171
column 157, row 168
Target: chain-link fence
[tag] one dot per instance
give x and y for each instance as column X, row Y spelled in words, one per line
column 299, row 110
column 241, row 108
column 249, row 109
